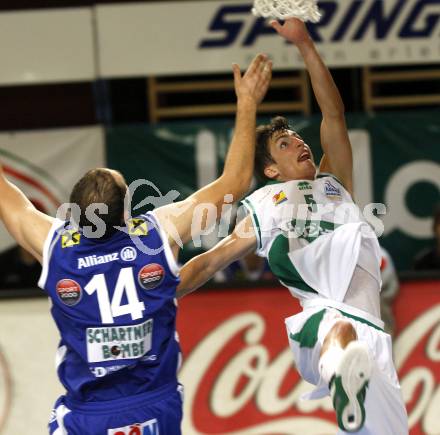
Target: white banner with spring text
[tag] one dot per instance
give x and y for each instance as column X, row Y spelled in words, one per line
column 200, row 37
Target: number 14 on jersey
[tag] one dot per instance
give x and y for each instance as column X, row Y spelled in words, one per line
column 114, row 308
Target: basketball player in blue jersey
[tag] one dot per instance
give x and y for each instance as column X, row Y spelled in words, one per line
column 328, row 259
column 113, row 303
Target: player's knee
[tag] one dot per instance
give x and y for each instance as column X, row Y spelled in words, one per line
column 342, row 332
column 345, row 330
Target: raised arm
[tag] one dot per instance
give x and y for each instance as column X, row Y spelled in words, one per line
column 236, row 178
column 28, row 226
column 334, row 136
column 203, row 267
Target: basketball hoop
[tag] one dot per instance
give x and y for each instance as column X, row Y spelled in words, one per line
column 305, row 10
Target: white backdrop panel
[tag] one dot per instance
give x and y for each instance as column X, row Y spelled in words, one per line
column 46, row 46
column 27, row 343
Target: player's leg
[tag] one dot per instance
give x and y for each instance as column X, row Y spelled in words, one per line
column 364, row 343
column 335, row 341
column 385, row 410
column 329, row 355
column 345, row 365
column 317, row 335
column 370, row 355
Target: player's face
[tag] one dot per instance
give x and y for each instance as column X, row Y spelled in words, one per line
column 293, row 158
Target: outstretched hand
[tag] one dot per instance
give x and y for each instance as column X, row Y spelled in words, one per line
column 255, row 81
column 293, row 29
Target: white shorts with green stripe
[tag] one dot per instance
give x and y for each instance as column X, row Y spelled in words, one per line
column 384, row 406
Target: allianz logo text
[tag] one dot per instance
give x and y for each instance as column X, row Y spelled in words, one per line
column 127, row 254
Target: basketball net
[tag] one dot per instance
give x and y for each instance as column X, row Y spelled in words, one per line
column 305, row 10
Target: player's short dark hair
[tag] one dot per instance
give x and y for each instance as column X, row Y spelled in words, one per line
column 263, row 158
column 100, row 186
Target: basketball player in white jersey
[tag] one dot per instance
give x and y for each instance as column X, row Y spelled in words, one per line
column 304, row 221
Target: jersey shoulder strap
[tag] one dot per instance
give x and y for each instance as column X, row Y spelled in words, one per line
column 169, row 255
column 55, row 235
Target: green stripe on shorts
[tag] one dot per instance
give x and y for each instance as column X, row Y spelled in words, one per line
column 362, row 320
column 308, row 335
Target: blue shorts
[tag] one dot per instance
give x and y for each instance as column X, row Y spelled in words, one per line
column 156, row 413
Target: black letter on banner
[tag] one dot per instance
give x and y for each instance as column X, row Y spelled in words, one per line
column 376, row 16
column 231, row 29
column 431, row 21
column 328, row 10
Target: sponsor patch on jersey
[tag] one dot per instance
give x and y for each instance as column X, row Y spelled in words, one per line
column 151, row 276
column 112, row 343
column 69, row 292
column 150, row 427
column 70, row 238
column 95, row 260
column 304, row 185
column 137, row 227
column 100, row 372
column 279, row 197
column 128, row 253
column 332, row 191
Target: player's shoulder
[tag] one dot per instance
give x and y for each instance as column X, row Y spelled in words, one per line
column 331, row 185
column 63, row 232
column 327, row 176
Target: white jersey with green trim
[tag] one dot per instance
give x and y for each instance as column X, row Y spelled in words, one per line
column 317, row 241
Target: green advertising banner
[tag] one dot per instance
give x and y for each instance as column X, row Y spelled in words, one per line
column 396, row 162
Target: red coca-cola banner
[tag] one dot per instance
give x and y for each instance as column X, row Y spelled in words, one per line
column 239, row 377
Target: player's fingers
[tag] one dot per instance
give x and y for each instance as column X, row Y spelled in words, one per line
column 263, row 64
column 266, row 70
column 237, row 73
column 276, row 25
column 262, row 68
column 267, row 77
column 268, row 67
column 256, row 63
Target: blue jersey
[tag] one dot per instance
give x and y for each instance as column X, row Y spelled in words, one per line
column 113, row 301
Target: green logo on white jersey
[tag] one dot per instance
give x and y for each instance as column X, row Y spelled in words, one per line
column 304, row 185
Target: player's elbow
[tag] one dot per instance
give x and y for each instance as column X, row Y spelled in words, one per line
column 236, row 184
column 336, row 110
